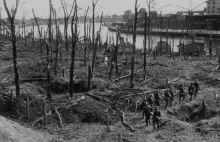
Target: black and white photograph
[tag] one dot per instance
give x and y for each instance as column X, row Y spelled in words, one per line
column 109, row 70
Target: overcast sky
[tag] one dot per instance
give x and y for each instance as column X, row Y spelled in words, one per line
column 108, row 7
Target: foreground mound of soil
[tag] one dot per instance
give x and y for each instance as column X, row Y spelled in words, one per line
column 11, row 131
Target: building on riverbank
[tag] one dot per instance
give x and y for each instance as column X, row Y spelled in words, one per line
column 212, row 7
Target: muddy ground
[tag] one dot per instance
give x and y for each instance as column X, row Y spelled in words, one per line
column 93, row 120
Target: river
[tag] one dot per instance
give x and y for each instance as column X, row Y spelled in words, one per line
column 139, row 43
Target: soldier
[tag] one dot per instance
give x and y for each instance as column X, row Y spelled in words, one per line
column 157, row 98
column 196, row 87
column 156, row 118
column 147, row 113
column 166, row 97
column 171, row 96
column 191, row 91
column 181, row 93
column 150, row 100
column 143, row 105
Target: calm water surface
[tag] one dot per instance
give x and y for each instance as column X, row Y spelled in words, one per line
column 139, row 44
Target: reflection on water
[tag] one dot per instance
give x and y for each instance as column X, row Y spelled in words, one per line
column 139, row 43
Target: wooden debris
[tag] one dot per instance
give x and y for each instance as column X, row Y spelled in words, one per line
column 122, row 116
column 123, row 77
column 66, row 105
column 59, row 116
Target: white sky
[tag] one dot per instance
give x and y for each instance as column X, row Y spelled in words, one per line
column 108, row 7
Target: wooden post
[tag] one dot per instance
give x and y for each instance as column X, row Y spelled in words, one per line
column 210, row 47
column 167, row 43
column 170, row 50
column 28, row 109
column 111, row 69
column 180, row 47
column 45, row 114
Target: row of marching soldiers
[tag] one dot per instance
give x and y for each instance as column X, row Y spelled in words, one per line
column 151, row 104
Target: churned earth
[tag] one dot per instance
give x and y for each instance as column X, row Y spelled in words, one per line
column 96, row 120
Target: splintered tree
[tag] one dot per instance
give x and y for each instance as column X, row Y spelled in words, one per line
column 24, row 27
column 11, row 19
column 57, row 41
column 145, row 46
column 85, row 36
column 49, row 97
column 94, row 3
column 67, row 15
column 73, row 53
column 150, row 5
column 39, row 32
column 134, row 44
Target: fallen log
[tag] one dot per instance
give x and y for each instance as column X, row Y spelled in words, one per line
column 138, row 94
column 98, row 98
column 59, row 116
column 159, row 64
column 123, row 77
column 147, row 81
column 41, row 118
column 5, row 80
column 34, row 79
column 122, row 116
column 175, row 80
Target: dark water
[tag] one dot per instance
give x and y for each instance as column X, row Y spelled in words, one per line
column 139, row 43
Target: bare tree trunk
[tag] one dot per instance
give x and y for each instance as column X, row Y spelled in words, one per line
column 149, row 24
column 66, row 21
column 210, row 47
column 111, row 68
column 93, row 40
column 1, row 23
column 49, row 97
column 73, row 53
column 145, row 46
column 39, row 32
column 167, row 42
column 66, row 34
column 11, row 18
column 116, row 52
column 100, row 28
column 90, row 43
column 33, row 32
column 134, row 45
column 57, row 43
column 85, row 37
column 161, row 23
column 89, row 78
column 25, row 40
